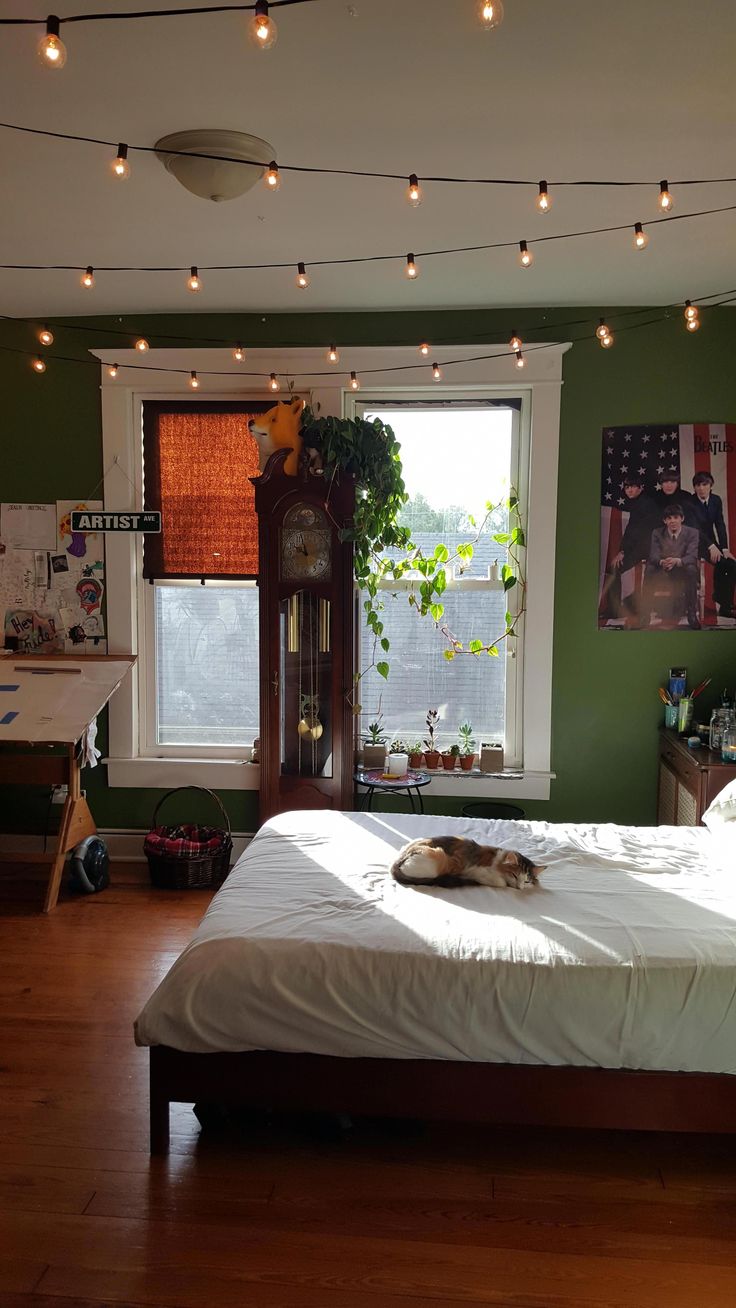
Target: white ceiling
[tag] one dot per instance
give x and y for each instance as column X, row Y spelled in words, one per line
column 565, row 88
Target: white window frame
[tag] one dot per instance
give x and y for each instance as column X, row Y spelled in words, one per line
column 468, row 372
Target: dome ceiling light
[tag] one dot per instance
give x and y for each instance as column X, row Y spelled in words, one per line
column 215, row 179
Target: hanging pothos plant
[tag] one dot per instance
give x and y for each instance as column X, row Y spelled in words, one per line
column 370, row 452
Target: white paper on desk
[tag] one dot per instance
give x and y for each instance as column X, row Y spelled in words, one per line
column 28, row 526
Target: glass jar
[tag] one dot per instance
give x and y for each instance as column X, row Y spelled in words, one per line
column 728, row 745
column 720, row 719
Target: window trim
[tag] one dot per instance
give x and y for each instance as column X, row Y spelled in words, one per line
column 122, row 460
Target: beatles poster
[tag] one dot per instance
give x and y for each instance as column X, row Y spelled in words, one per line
column 668, row 525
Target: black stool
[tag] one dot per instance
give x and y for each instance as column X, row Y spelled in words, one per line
column 488, row 808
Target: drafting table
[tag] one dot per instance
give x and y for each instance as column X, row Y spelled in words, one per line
column 48, row 701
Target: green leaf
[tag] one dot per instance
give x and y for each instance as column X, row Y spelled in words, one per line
column 436, row 610
column 509, row 582
column 449, row 655
column 509, row 618
column 475, row 646
column 517, row 537
column 502, row 537
column 493, row 651
column 441, row 553
column 506, row 572
column 440, row 581
column 385, row 644
column 382, row 670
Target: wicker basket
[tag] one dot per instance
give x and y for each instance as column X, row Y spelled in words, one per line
column 190, row 871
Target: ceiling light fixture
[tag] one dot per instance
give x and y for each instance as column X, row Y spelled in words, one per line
column 216, row 164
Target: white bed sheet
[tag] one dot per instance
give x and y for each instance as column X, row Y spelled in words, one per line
column 625, row 956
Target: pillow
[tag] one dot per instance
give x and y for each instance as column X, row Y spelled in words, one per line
column 723, row 808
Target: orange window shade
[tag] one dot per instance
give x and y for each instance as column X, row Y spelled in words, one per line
column 197, row 462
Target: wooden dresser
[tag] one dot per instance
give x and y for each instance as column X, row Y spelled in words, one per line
column 689, row 779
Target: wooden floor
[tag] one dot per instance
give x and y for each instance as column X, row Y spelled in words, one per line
column 290, row 1215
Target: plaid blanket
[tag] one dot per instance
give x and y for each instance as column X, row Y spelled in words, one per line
column 188, row 840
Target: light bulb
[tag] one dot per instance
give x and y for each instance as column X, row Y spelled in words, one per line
column 333, row 355
column 272, row 176
column 273, row 384
column 436, row 372
column 238, row 354
column 424, row 349
column 693, row 324
column 51, row 48
column 120, row 166
column 641, row 239
column 302, row 277
column 141, row 345
column 412, row 271
column 88, row 278
column 606, row 341
column 525, row 256
column 414, row 191
column 602, row 329
column 544, row 199
column 354, row 383
column 490, row 13
column 194, row 380
column 665, row 200
column 515, row 343
column 39, row 365
column 691, row 311
column 194, row 281
column 520, row 360
column 112, row 370
column 45, row 336
column 262, row 30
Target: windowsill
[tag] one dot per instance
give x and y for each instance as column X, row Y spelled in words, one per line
column 488, row 785
column 166, row 773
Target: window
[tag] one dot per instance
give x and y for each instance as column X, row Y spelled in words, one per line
column 456, row 456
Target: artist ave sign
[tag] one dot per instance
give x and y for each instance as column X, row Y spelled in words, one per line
column 113, row 521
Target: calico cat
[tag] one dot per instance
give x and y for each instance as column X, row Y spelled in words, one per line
column 454, row 861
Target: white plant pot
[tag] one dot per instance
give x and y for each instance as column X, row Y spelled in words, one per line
column 398, row 765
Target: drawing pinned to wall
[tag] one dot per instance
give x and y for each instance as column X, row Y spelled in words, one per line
column 28, row 631
column 28, row 526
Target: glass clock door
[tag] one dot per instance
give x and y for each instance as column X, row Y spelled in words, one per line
column 305, row 683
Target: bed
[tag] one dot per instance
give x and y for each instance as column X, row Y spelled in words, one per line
column 607, row 996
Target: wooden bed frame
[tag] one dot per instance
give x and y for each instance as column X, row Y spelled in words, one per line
column 494, row 1093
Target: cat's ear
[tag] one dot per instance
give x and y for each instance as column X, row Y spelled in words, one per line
column 510, row 859
column 539, row 867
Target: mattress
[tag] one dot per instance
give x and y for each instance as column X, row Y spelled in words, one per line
column 624, row 956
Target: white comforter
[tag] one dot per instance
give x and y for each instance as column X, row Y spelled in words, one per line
column 625, row 956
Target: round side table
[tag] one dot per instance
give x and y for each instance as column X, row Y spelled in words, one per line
column 410, row 784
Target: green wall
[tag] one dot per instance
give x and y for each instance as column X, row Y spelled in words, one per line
column 605, row 706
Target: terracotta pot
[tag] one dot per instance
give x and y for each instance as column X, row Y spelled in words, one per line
column 467, row 761
column 415, row 760
column 449, row 761
column 432, row 758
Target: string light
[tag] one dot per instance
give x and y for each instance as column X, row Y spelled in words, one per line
column 607, row 341
column 515, row 343
column 238, row 354
column 354, row 383
column 693, row 324
column 194, row 380
column 490, row 13
column 692, row 317
column 602, row 329
column 88, row 278
column 262, row 30
column 436, row 372
column 112, row 370
column 665, row 200
column 424, row 349
column 520, row 360
column 641, row 239
column 39, row 364
column 273, row 383
column 272, row 176
column 525, row 256
column 544, row 199
column 333, row 355
column 302, row 277
column 412, row 271
column 194, row 281
column 141, row 345
column 51, row 48
column 120, row 166
column 414, row 191
column 45, row 336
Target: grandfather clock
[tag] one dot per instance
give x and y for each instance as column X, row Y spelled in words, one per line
column 306, row 640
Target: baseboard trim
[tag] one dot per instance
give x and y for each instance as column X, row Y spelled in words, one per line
column 124, row 846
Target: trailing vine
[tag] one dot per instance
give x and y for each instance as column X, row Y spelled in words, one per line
column 370, row 452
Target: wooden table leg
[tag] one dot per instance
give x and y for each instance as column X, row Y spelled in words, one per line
column 76, row 823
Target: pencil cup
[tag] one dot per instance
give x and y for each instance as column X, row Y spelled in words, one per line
column 684, row 713
column 670, row 715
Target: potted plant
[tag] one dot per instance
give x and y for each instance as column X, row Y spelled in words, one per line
column 467, row 751
column 450, row 757
column 431, row 752
column 374, row 745
column 398, row 759
column 415, row 754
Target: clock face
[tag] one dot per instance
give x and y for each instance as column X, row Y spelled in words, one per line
column 306, row 545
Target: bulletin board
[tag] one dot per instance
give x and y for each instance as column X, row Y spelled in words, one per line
column 52, row 580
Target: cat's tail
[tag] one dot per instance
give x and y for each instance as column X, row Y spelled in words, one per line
column 421, row 867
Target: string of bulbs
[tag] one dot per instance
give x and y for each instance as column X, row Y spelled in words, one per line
column 262, row 29
column 604, row 335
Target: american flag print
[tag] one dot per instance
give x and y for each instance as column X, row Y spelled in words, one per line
column 655, row 451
